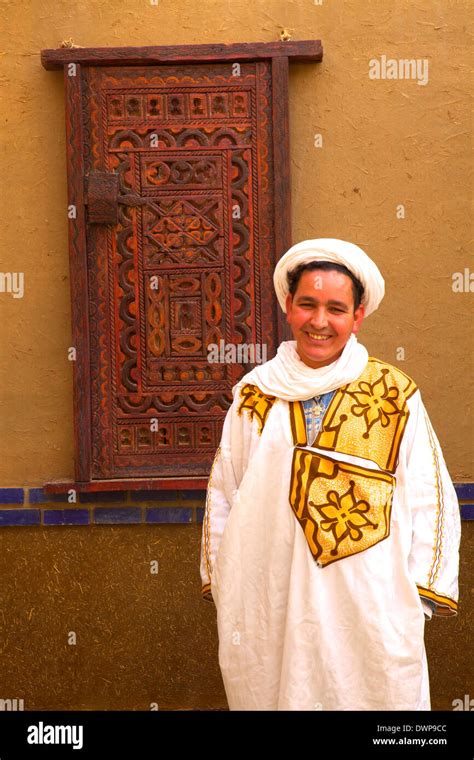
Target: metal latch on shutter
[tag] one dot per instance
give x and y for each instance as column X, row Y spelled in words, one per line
column 103, row 198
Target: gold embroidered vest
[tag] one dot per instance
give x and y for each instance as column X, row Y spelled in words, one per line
column 342, row 508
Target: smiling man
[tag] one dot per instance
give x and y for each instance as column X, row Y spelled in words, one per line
column 324, row 312
column 332, row 527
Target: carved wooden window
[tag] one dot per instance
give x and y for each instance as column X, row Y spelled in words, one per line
column 178, row 181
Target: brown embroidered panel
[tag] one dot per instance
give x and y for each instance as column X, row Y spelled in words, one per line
column 367, row 417
column 342, row 508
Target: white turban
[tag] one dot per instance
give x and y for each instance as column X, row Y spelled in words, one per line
column 339, row 252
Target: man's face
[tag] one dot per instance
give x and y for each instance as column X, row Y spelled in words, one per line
column 323, row 305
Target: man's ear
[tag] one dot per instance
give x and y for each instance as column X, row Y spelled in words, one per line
column 288, row 304
column 358, row 318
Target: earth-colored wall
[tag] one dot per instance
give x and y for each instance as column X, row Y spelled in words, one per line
column 361, row 149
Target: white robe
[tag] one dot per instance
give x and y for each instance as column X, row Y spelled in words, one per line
column 294, row 635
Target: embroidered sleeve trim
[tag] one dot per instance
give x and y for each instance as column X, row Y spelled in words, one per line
column 207, row 517
column 206, row 593
column 438, row 544
column 444, row 605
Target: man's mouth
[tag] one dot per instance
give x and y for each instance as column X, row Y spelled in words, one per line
column 317, row 336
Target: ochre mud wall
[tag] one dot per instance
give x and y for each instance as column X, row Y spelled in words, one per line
column 383, row 163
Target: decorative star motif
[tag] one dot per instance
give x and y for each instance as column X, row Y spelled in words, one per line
column 375, row 402
column 344, row 516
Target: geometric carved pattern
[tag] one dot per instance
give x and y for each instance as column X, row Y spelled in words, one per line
column 183, row 232
column 192, row 105
column 176, row 310
column 189, row 266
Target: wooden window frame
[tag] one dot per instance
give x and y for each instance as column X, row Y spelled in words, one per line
column 280, row 54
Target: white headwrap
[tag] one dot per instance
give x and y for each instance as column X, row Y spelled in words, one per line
column 339, row 252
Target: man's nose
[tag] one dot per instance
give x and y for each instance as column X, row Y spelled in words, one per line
column 318, row 317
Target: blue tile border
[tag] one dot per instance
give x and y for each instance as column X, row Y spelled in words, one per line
column 11, row 496
column 117, row 515
column 163, row 495
column 193, row 494
column 66, row 517
column 467, row 511
column 94, row 496
column 169, row 515
column 464, row 491
column 125, row 514
column 38, row 496
column 20, row 517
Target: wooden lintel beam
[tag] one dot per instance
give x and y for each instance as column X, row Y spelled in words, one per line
column 296, row 50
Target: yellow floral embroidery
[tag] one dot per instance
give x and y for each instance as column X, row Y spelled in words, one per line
column 343, row 515
column 375, row 402
column 367, row 417
column 342, row 508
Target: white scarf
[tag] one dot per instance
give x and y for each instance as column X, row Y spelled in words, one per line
column 289, row 378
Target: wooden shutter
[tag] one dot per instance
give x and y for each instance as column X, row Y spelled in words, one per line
column 179, row 175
